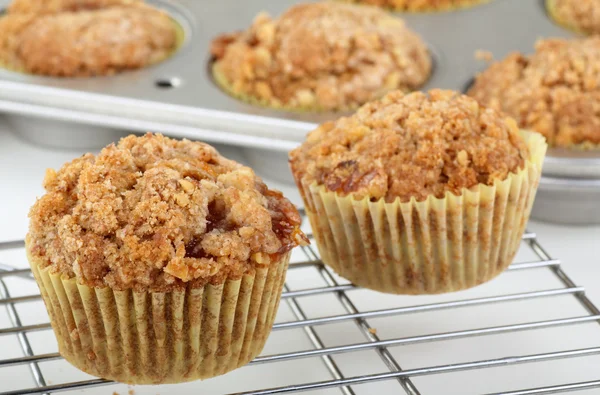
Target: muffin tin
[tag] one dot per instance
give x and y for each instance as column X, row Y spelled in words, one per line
column 179, row 97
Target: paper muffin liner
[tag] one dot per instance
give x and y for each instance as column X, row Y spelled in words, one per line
column 552, row 11
column 433, row 246
column 156, row 338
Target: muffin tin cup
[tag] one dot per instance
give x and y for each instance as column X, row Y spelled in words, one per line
column 162, row 337
column 433, row 246
column 179, row 96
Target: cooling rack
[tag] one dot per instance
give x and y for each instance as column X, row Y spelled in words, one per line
column 331, row 337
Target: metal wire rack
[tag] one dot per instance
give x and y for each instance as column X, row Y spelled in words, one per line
column 354, row 315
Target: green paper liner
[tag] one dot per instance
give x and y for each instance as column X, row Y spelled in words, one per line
column 162, row 337
column 433, row 246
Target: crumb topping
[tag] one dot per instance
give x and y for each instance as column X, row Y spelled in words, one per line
column 156, row 213
column 84, row 38
column 555, row 91
column 418, row 5
column 321, row 56
column 411, row 145
column 53, row 6
column 583, row 15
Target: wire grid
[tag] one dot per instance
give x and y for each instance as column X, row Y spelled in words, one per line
column 404, row 378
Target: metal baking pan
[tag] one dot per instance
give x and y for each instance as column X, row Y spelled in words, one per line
column 179, row 98
column 567, row 201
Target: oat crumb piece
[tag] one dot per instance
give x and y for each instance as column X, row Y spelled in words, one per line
column 411, row 145
column 373, row 331
column 321, row 56
column 484, row 55
column 554, row 91
column 157, row 213
column 67, row 38
column 131, row 392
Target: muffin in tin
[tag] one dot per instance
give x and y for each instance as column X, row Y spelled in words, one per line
column 160, row 261
column 420, row 5
column 579, row 15
column 419, row 193
column 72, row 38
column 554, row 91
column 325, row 56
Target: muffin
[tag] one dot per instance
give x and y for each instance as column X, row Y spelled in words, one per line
column 419, row 193
column 419, row 5
column 555, row 91
column 75, row 38
column 160, row 261
column 579, row 15
column 320, row 57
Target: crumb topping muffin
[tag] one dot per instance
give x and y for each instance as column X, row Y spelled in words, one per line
column 411, row 145
column 52, row 6
column 323, row 56
column 419, row 5
column 72, row 38
column 157, row 214
column 555, row 91
column 582, row 15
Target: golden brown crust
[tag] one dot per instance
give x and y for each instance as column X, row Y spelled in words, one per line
column 53, row 6
column 321, row 56
column 413, row 145
column 155, row 213
column 581, row 15
column 555, row 91
column 418, row 5
column 87, row 41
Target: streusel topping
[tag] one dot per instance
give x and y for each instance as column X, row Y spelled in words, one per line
column 583, row 15
column 411, row 145
column 84, row 38
column 156, row 213
column 53, row 6
column 555, row 91
column 321, row 56
column 418, row 5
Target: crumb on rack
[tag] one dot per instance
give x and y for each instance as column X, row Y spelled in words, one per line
column 373, row 331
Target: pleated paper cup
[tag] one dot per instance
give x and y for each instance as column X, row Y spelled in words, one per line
column 156, row 338
column 428, row 247
column 552, row 9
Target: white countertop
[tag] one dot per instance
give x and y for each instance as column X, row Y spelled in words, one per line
column 22, row 167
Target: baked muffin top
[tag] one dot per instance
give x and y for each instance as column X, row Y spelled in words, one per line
column 53, row 6
column 555, row 91
column 582, row 15
column 411, row 145
column 71, row 38
column 418, row 5
column 152, row 213
column 322, row 56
